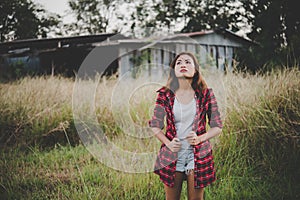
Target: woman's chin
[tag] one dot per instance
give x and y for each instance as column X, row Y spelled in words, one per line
column 183, row 76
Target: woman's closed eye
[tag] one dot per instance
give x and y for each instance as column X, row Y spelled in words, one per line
column 186, row 62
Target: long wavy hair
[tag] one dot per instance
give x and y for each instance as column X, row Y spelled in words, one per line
column 198, row 81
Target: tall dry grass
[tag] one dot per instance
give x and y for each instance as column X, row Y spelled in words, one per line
column 33, row 109
column 257, row 155
column 260, row 145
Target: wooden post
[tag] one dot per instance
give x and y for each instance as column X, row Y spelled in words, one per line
column 52, row 68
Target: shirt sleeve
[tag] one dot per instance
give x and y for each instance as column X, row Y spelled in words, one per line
column 159, row 112
column 213, row 113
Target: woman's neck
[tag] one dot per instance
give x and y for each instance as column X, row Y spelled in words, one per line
column 184, row 84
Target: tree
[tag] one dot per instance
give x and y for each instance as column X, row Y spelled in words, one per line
column 193, row 15
column 211, row 14
column 276, row 27
column 143, row 22
column 93, row 16
column 292, row 32
column 169, row 12
column 21, row 19
column 158, row 16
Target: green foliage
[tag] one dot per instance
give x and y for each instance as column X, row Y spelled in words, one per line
column 196, row 15
column 139, row 62
column 143, row 23
column 275, row 26
column 22, row 19
column 92, row 16
column 210, row 14
column 168, row 11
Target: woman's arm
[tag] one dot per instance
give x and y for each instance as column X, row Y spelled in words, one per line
column 173, row 145
column 159, row 113
column 193, row 139
column 211, row 133
column 160, row 135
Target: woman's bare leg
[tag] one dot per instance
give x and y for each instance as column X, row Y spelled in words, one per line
column 173, row 193
column 193, row 194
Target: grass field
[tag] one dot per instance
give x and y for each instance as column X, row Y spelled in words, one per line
column 257, row 156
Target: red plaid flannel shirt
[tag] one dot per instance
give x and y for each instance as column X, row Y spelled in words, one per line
column 165, row 165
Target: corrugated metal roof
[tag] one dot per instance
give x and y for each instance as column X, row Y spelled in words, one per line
column 177, row 37
column 97, row 40
column 46, row 43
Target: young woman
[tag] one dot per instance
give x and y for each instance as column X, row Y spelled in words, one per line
column 186, row 102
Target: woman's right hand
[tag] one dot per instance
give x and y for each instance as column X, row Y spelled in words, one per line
column 174, row 145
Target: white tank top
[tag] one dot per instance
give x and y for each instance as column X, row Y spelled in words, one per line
column 184, row 115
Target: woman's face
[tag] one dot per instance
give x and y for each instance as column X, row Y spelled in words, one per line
column 184, row 66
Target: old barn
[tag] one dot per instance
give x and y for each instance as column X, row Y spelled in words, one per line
column 62, row 55
column 215, row 50
column 117, row 54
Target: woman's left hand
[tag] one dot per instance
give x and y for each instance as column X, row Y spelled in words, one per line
column 193, row 139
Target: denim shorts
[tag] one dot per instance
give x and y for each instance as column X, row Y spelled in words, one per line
column 185, row 162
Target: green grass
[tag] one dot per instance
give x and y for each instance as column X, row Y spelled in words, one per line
column 257, row 156
column 70, row 173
